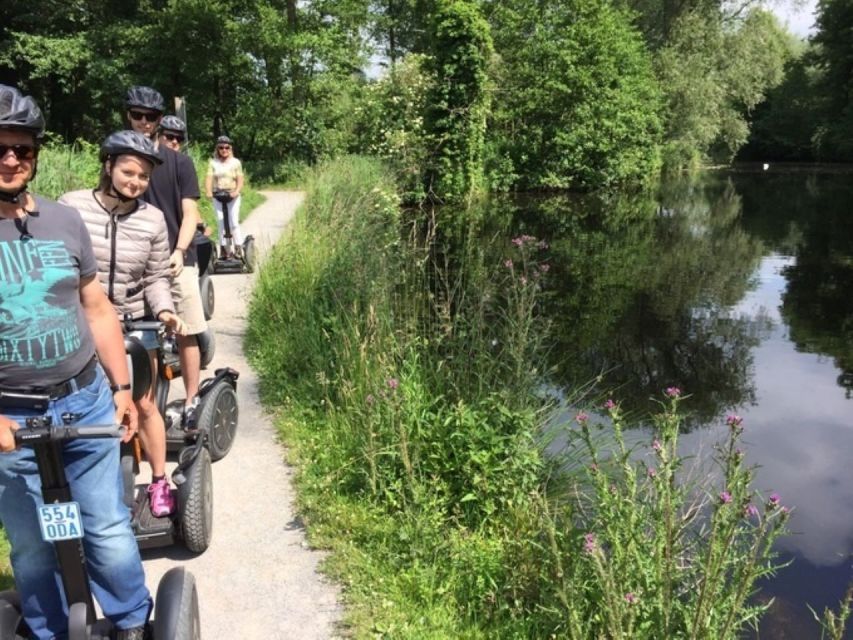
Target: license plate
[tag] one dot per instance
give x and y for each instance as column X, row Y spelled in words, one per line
column 60, row 521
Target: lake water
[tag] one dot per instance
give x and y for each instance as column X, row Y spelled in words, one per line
column 738, row 288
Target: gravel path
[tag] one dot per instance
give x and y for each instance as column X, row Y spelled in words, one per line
column 257, row 579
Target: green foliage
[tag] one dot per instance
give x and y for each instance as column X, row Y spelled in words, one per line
column 64, row 168
column 389, row 122
column 457, row 102
column 833, row 55
column 576, row 101
column 713, row 74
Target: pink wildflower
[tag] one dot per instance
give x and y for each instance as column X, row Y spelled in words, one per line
column 656, row 445
column 750, row 511
column 508, row 263
column 582, row 418
column 630, row 598
column 673, row 392
column 725, row 497
column 392, row 383
column 523, row 280
column 773, row 501
column 610, row 405
column 589, row 544
column 734, row 421
column 651, row 472
column 370, row 399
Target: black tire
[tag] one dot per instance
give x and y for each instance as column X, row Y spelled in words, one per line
column 12, row 625
column 249, row 255
column 219, row 416
column 78, row 626
column 128, row 476
column 176, row 615
column 208, row 297
column 207, row 346
column 195, row 501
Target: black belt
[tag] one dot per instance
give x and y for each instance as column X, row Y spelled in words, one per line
column 54, row 392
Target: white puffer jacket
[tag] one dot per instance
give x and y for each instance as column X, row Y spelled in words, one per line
column 132, row 251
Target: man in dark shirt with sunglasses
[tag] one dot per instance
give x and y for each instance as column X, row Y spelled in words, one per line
column 174, row 190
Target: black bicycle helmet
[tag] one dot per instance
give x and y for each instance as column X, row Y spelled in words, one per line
column 173, row 123
column 223, row 140
column 18, row 111
column 144, row 98
column 131, row 142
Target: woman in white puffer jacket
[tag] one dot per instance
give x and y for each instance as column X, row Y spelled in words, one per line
column 131, row 246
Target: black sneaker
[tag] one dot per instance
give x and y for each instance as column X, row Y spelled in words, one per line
column 137, row 633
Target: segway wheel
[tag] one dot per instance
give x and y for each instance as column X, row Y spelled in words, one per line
column 12, row 623
column 176, row 615
column 207, row 346
column 249, row 255
column 219, row 415
column 129, row 469
column 195, row 501
column 208, row 298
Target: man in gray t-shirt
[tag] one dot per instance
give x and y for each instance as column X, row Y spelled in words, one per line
column 44, row 336
column 54, row 317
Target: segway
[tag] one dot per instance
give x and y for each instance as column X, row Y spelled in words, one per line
column 218, row 414
column 232, row 258
column 176, row 612
column 192, row 520
column 205, row 253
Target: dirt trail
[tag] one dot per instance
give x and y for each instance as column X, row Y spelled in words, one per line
column 257, row 579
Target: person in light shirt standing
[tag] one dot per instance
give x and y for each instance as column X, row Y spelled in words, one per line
column 225, row 173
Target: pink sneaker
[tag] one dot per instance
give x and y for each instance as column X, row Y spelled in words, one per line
column 161, row 498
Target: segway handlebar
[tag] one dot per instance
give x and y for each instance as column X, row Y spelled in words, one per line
column 145, row 325
column 42, row 429
column 222, row 195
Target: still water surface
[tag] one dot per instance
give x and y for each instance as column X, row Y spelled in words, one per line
column 738, row 288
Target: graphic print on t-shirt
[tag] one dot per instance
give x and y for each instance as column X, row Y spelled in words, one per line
column 35, row 331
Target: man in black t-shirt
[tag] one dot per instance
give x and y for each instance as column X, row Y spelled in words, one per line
column 174, row 190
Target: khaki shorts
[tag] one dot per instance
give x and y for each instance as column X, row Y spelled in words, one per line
column 187, row 299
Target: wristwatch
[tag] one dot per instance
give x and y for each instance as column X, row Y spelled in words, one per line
column 115, row 388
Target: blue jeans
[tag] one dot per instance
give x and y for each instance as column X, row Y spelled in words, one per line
column 94, row 474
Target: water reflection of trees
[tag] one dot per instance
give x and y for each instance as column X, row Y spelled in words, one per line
column 817, row 305
column 640, row 291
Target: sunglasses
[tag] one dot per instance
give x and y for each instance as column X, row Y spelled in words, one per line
column 224, row 146
column 21, row 151
column 171, row 137
column 148, row 117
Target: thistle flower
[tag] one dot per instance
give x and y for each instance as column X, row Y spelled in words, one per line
column 673, row 392
column 773, row 501
column 610, row 405
column 590, row 545
column 750, row 511
column 630, row 598
column 725, row 497
column 392, row 383
column 656, row 445
column 734, row 421
column 581, row 418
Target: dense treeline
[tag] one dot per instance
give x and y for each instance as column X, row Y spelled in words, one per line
column 809, row 116
column 459, row 94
